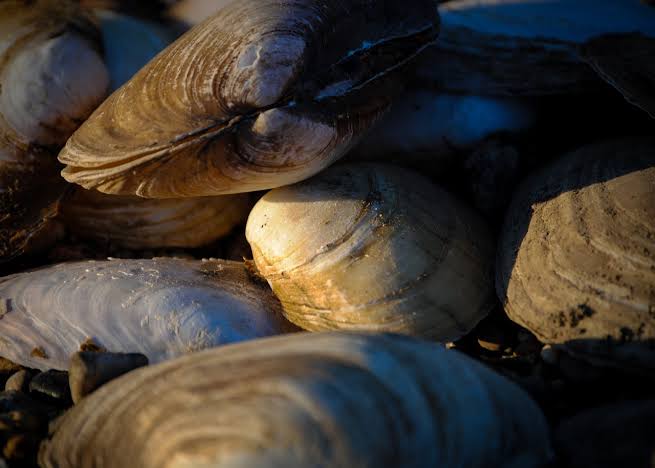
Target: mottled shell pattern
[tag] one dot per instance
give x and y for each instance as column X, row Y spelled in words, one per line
column 576, row 261
column 243, row 102
column 326, row 399
column 139, row 223
column 162, row 308
column 52, row 77
column 374, row 247
column 524, row 47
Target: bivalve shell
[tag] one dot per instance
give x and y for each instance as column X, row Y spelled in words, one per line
column 576, row 261
column 139, row 223
column 161, row 308
column 374, row 247
column 328, row 400
column 262, row 94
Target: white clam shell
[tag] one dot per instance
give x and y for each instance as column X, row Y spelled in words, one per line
column 161, row 308
column 374, row 247
column 327, row 399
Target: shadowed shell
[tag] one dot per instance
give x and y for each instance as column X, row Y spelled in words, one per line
column 245, row 102
column 374, row 247
column 524, row 47
column 576, row 261
column 328, row 399
column 161, row 308
column 138, row 223
column 427, row 129
column 51, row 77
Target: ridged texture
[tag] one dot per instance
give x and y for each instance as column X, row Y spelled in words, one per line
column 161, row 308
column 328, row 400
column 139, row 223
column 576, row 261
column 627, row 62
column 374, row 247
column 524, row 47
column 263, row 94
column 52, row 77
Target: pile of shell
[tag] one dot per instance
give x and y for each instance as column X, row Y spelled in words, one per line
column 320, row 209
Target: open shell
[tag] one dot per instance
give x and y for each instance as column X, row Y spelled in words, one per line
column 138, row 223
column 576, row 261
column 161, row 308
column 263, row 94
column 374, row 247
column 328, row 400
column 524, row 47
column 52, row 77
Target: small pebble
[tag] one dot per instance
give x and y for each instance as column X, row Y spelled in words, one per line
column 549, row 355
column 20, row 381
column 53, row 383
column 90, row 370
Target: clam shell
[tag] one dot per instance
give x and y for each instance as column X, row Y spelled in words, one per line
column 427, row 128
column 374, row 247
column 52, row 77
column 139, row 223
column 524, row 47
column 263, row 94
column 161, row 308
column 328, row 399
column 576, row 260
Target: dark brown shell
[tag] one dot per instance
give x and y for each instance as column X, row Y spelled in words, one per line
column 576, row 260
column 263, row 94
column 51, row 78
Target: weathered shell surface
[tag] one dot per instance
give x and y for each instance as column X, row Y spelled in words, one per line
column 244, row 101
column 576, row 261
column 374, row 247
column 161, row 308
column 524, row 47
column 327, row 399
column 627, row 62
column 140, row 223
column 52, row 77
column 426, row 127
column 609, row 436
column 128, row 44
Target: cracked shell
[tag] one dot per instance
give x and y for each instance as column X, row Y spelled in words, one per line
column 374, row 247
column 328, row 399
column 51, row 78
column 244, row 101
column 139, row 223
column 162, row 308
column 576, row 260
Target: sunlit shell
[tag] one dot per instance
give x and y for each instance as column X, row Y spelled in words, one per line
column 140, row 223
column 52, row 77
column 263, row 94
column 162, row 308
column 306, row 400
column 374, row 247
column 524, row 47
column 576, row 261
